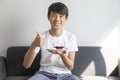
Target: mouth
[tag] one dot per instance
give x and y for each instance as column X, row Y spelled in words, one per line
column 57, row 23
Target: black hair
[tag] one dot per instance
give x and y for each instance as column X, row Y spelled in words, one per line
column 58, row 7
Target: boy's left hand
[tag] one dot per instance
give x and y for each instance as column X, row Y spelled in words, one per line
column 60, row 52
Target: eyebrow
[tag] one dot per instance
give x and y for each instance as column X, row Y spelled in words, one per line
column 53, row 12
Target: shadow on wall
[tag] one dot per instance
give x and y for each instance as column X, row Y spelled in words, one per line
column 84, row 57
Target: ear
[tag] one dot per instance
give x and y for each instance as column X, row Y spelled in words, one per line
column 48, row 17
column 66, row 18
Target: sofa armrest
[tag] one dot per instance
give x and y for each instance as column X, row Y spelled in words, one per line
column 2, row 68
column 119, row 67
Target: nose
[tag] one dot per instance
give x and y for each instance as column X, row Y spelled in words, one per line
column 57, row 18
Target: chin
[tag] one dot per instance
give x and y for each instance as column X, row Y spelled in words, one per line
column 56, row 27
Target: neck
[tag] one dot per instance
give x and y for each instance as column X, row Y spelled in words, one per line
column 56, row 32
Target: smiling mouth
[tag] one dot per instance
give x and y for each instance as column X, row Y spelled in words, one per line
column 56, row 23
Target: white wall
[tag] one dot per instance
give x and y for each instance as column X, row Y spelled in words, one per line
column 91, row 20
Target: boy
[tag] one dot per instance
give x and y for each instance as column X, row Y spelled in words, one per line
column 57, row 47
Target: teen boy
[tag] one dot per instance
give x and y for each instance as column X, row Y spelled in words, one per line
column 58, row 48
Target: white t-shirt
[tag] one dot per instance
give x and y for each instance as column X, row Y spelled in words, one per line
column 52, row 62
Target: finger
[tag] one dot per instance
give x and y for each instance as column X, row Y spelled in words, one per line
column 64, row 52
column 38, row 34
column 59, row 52
column 52, row 51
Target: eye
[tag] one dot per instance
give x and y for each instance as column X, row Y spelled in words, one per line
column 53, row 15
column 61, row 16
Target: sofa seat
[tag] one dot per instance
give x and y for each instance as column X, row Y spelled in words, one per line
column 81, row 78
column 17, row 78
column 114, row 78
column 93, row 78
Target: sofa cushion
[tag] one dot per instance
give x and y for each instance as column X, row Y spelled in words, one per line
column 14, row 62
column 119, row 67
column 93, row 78
column 2, row 68
column 86, row 56
column 114, row 78
column 17, row 78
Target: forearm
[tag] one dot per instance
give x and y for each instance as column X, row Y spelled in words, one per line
column 29, row 57
column 68, row 62
column 30, row 54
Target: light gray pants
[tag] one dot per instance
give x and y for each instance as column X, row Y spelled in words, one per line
column 41, row 75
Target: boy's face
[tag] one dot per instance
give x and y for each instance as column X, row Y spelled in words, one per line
column 57, row 20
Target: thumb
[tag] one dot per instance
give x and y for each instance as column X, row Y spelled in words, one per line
column 38, row 34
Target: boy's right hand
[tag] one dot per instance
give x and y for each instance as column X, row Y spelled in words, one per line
column 39, row 41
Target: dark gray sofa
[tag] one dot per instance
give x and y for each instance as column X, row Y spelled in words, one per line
column 11, row 66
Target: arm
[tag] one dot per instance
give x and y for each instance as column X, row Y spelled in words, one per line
column 68, row 60
column 29, row 57
column 31, row 54
column 2, row 68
